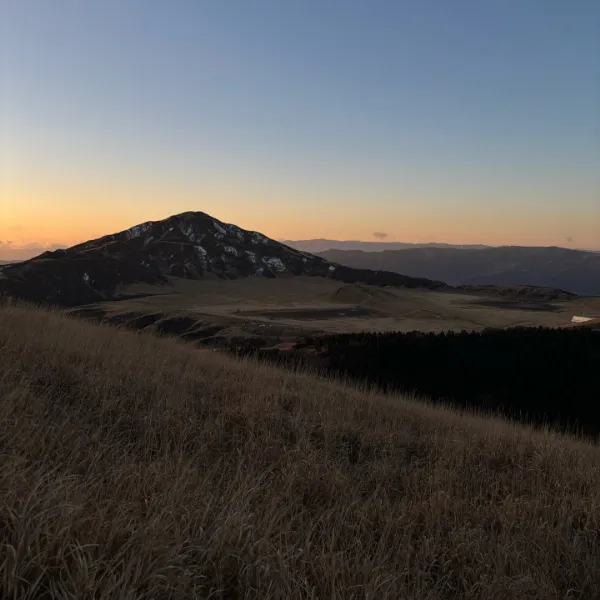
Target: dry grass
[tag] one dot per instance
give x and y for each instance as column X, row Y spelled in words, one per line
column 257, row 300
column 138, row 467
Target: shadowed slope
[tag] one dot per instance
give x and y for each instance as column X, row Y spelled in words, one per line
column 576, row 271
column 139, row 467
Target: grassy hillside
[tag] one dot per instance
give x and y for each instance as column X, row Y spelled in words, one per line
column 139, row 467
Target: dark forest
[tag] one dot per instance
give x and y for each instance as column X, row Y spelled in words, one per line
column 539, row 376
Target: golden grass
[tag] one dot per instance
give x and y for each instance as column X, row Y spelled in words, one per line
column 255, row 300
column 138, row 467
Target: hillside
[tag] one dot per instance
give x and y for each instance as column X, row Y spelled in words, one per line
column 191, row 245
column 135, row 466
column 571, row 270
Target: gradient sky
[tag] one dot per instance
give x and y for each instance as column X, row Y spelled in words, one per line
column 463, row 121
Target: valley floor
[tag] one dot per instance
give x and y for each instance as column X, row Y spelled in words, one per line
column 139, row 467
column 286, row 308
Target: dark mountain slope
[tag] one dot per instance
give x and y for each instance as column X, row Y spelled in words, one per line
column 572, row 270
column 191, row 245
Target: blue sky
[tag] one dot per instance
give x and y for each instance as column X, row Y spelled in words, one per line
column 463, row 121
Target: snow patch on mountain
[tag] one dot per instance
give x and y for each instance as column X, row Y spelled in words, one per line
column 138, row 230
column 257, row 238
column 220, row 229
column 188, row 231
column 275, row 263
column 239, row 234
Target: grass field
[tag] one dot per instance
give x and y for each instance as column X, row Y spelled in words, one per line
column 285, row 308
column 139, row 467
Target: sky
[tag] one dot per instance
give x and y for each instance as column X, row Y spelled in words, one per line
column 471, row 121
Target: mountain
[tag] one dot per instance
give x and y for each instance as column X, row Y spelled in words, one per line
column 190, row 245
column 573, row 270
column 322, row 245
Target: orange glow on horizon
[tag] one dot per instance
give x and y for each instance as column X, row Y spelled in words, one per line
column 48, row 213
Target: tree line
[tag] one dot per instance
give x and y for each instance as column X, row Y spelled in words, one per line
column 537, row 375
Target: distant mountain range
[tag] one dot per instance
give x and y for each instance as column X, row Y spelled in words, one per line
column 190, row 245
column 576, row 271
column 321, row 245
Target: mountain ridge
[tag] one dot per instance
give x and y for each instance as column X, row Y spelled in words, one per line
column 318, row 245
column 189, row 245
column 575, row 271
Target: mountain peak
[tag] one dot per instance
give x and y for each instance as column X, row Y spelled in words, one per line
column 187, row 245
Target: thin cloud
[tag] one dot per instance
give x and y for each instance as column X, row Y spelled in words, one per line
column 9, row 251
column 380, row 235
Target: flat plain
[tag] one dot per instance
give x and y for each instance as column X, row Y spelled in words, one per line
column 214, row 311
